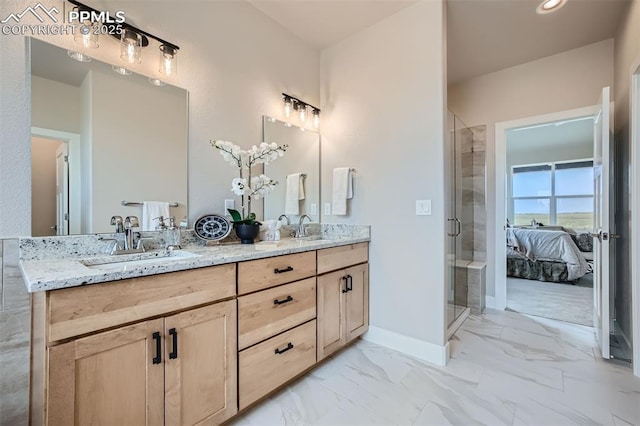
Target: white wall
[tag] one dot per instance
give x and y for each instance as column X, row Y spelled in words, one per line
column 136, row 156
column 383, row 114
column 234, row 61
column 55, row 105
column 560, row 82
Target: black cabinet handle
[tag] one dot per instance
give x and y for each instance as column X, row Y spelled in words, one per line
column 280, row 302
column 280, row 271
column 281, row 351
column 158, row 358
column 346, row 284
column 349, row 283
column 174, row 344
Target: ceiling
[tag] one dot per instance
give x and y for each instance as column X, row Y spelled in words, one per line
column 321, row 23
column 550, row 135
column 483, row 36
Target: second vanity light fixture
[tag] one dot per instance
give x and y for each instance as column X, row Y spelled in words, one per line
column 291, row 103
column 132, row 40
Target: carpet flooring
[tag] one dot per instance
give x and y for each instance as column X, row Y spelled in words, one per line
column 564, row 302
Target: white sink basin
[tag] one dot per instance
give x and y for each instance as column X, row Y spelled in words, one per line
column 118, row 263
column 311, row 240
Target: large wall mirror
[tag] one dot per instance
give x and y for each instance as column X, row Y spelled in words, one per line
column 100, row 138
column 298, row 172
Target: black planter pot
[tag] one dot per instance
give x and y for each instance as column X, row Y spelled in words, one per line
column 247, row 233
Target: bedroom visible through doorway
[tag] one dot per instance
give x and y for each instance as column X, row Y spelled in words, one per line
column 549, row 204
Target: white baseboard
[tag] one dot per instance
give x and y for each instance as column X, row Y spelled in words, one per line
column 490, row 302
column 416, row 348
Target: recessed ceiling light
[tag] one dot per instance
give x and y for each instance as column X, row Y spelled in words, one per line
column 549, row 6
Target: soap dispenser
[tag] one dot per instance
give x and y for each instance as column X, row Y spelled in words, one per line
column 172, row 235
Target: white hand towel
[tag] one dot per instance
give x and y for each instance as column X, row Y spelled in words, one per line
column 342, row 189
column 151, row 210
column 294, row 193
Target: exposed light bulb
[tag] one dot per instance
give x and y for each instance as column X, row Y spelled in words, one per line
column 302, row 110
column 131, row 46
column 316, row 118
column 87, row 35
column 168, row 60
column 287, row 107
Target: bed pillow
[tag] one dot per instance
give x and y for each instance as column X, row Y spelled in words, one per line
column 584, row 241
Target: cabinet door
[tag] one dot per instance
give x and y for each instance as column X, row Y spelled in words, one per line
column 357, row 301
column 331, row 335
column 201, row 365
column 109, row 378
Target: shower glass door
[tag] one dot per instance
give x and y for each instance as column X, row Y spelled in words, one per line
column 460, row 215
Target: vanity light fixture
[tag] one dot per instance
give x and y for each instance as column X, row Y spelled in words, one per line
column 302, row 111
column 293, row 103
column 80, row 57
column 132, row 40
column 87, row 34
column 131, row 46
column 549, row 6
column 168, row 59
column 287, row 105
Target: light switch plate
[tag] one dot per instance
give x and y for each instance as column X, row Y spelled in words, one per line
column 423, row 207
column 229, row 204
column 327, row 209
column 314, row 209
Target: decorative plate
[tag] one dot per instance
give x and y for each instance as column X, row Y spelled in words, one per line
column 212, row 227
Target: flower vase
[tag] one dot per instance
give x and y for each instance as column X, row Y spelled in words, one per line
column 247, row 233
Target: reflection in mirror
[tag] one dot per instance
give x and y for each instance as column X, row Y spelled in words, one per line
column 294, row 195
column 100, row 138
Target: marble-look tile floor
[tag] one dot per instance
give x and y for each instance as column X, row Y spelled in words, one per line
column 506, row 369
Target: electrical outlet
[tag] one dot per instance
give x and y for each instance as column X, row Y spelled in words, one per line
column 229, row 204
column 327, row 209
column 314, row 209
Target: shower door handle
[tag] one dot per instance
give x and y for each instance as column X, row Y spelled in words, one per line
column 458, row 227
column 451, row 234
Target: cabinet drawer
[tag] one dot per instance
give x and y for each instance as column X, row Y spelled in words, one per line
column 264, row 273
column 340, row 257
column 269, row 312
column 80, row 310
column 267, row 365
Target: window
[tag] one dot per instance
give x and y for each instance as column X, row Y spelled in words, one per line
column 553, row 194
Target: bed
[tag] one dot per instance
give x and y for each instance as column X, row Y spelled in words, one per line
column 550, row 254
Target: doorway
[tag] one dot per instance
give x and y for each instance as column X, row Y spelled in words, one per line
column 56, row 182
column 550, row 214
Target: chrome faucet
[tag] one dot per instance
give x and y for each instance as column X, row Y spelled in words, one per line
column 117, row 221
column 286, row 217
column 302, row 230
column 130, row 222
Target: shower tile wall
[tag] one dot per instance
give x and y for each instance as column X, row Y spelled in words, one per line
column 479, row 193
column 15, row 322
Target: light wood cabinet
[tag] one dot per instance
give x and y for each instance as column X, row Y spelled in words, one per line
column 179, row 369
column 343, row 307
column 107, row 379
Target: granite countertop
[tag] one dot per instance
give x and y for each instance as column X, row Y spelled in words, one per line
column 42, row 273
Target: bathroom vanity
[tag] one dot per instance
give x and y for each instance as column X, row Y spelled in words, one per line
column 192, row 340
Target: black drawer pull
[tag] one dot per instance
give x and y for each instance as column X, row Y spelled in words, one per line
column 281, row 351
column 158, row 358
column 280, row 302
column 349, row 283
column 279, row 271
column 346, row 284
column 174, row 345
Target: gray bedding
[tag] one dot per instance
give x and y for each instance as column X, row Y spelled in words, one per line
column 552, row 251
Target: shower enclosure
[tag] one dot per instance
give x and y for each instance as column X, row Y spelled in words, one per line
column 460, row 219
